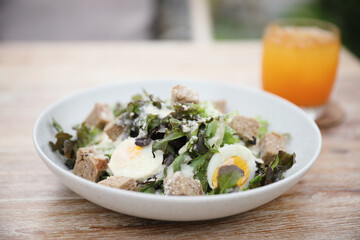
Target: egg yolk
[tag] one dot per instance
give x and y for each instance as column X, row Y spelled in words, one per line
column 134, row 151
column 237, row 161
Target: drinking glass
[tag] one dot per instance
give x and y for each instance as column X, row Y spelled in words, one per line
column 300, row 58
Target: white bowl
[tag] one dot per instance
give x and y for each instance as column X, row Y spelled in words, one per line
column 282, row 115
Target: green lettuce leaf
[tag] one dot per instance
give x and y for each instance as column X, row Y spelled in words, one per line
column 152, row 122
column 200, row 146
column 61, row 137
column 57, row 126
column 64, row 145
column 200, row 165
column 118, row 109
column 199, row 161
column 227, row 179
column 230, row 136
column 176, row 164
column 215, row 133
column 70, row 148
column 283, row 161
column 211, row 129
column 86, row 135
column 137, row 97
column 275, row 171
column 191, row 111
column 150, row 186
column 201, row 175
column 263, row 126
column 163, row 143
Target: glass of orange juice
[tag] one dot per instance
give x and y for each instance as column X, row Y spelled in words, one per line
column 300, row 58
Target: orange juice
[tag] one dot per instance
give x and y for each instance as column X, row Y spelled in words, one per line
column 300, row 62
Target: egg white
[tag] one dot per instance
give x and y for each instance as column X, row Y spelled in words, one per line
column 139, row 166
column 229, row 151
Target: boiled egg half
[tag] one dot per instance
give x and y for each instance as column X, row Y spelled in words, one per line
column 131, row 160
column 234, row 154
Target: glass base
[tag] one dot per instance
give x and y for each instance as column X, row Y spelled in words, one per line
column 329, row 115
column 315, row 112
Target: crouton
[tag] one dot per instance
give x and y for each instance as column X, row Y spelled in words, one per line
column 270, row 145
column 99, row 116
column 246, row 128
column 220, row 105
column 181, row 94
column 90, row 164
column 114, row 130
column 178, row 184
column 120, row 182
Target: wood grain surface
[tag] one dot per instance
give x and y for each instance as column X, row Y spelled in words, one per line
column 325, row 204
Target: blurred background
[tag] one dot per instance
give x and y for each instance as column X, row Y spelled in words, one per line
column 203, row 20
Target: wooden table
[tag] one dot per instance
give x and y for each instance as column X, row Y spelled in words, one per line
column 325, row 204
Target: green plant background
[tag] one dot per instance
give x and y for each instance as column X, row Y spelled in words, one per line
column 345, row 14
